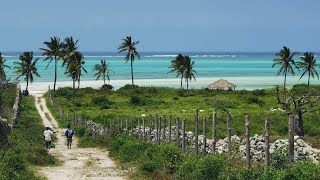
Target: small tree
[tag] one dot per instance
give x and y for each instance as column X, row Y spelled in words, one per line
column 177, row 65
column 308, row 64
column 102, row 71
column 26, row 67
column 3, row 76
column 189, row 72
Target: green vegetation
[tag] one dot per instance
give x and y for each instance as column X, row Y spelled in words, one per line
column 25, row 145
column 308, row 64
column 7, row 98
column 103, row 106
column 102, row 71
column 26, row 68
column 3, row 76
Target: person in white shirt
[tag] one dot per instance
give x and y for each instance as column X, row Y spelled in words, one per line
column 47, row 137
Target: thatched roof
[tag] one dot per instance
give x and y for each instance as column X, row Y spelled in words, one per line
column 221, row 84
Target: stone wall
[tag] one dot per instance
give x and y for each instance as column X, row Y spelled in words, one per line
column 4, row 130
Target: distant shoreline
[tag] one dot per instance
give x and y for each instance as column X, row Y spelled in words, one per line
column 246, row 83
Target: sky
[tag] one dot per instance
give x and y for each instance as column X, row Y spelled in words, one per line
column 165, row 25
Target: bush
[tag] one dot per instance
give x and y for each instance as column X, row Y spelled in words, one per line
column 128, row 87
column 137, row 101
column 101, row 101
column 255, row 100
column 106, row 87
column 149, row 166
column 279, row 158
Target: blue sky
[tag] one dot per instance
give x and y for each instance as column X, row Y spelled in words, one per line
column 165, row 25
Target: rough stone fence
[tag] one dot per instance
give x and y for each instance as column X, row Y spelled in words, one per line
column 5, row 126
column 167, row 129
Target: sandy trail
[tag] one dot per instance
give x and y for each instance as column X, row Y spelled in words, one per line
column 77, row 163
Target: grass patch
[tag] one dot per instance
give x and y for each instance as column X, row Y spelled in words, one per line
column 26, row 145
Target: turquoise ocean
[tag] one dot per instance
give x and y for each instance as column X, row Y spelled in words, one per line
column 247, row 70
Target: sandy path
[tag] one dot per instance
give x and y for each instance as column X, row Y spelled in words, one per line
column 78, row 163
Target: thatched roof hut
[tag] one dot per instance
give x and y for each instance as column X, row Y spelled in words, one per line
column 222, row 84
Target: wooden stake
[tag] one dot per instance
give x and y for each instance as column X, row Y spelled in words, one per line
column 214, row 130
column 184, row 135
column 291, row 139
column 267, row 145
column 170, row 121
column 247, row 142
column 196, row 129
column 177, row 132
column 229, row 131
column 204, row 135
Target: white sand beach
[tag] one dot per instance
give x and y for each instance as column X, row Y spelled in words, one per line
column 248, row 83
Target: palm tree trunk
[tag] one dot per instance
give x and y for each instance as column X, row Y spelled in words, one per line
column 132, row 72
column 27, row 83
column 187, row 84
column 181, row 82
column 104, row 79
column 309, row 79
column 74, row 89
column 55, row 73
column 284, row 85
column 79, row 82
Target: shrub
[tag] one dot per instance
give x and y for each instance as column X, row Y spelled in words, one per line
column 106, row 87
column 175, row 98
column 101, row 101
column 255, row 100
column 137, row 101
column 149, row 166
column 279, row 158
column 259, row 92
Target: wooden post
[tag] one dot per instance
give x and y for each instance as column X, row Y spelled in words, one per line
column 127, row 126
column 121, row 126
column 214, row 130
column 157, row 129
column 164, row 128
column 247, row 127
column 139, row 129
column 131, row 127
column 144, row 129
column 267, row 145
column 170, row 121
column 291, row 139
column 177, row 132
column 229, row 131
column 196, row 129
column 160, row 129
column 184, row 135
column 150, row 128
column 204, row 135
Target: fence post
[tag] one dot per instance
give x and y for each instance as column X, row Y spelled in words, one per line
column 291, row 139
column 150, row 128
column 177, row 132
column 204, row 135
column 229, row 131
column 170, row 121
column 121, row 126
column 196, row 129
column 144, row 129
column 184, row 135
column 160, row 128
column 214, row 130
column 131, row 127
column 267, row 145
column 127, row 126
column 139, row 129
column 164, row 128
column 248, row 160
column 157, row 129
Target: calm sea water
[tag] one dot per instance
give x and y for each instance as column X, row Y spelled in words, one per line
column 155, row 66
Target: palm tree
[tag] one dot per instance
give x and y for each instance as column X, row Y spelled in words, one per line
column 189, row 73
column 3, row 76
column 53, row 52
column 27, row 67
column 72, row 71
column 79, row 60
column 285, row 60
column 102, row 70
column 308, row 64
column 130, row 47
column 70, row 47
column 177, row 65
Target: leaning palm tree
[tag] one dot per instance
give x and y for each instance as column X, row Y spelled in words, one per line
column 130, row 47
column 177, row 65
column 72, row 71
column 79, row 60
column 285, row 60
column 189, row 72
column 70, row 47
column 53, row 52
column 102, row 71
column 26, row 67
column 3, row 76
column 308, row 64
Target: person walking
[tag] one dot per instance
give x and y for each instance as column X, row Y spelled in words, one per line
column 69, row 134
column 47, row 137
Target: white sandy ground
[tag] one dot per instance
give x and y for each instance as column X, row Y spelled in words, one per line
column 77, row 163
column 248, row 83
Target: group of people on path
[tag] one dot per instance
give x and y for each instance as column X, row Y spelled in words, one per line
column 48, row 132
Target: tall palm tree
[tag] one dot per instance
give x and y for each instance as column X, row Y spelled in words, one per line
column 102, row 71
column 3, row 76
column 53, row 52
column 177, row 65
column 26, row 67
column 189, row 73
column 72, row 71
column 286, row 61
column 129, row 46
column 308, row 64
column 79, row 60
column 70, row 47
